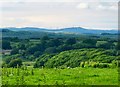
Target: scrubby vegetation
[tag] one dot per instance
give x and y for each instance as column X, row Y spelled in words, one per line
column 74, row 58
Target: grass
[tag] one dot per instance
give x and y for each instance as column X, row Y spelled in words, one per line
column 74, row 76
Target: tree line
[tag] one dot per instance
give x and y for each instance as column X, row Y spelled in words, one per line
column 32, row 49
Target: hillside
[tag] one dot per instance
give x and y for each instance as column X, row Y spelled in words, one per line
column 73, row 58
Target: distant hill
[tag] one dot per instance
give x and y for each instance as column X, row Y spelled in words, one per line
column 87, row 31
column 75, row 30
column 32, row 33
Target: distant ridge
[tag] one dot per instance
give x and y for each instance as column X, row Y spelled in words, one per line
column 76, row 30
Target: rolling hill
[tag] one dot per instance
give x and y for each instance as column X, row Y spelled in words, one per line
column 75, row 30
column 73, row 58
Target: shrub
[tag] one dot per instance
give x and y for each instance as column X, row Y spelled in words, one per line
column 82, row 64
column 95, row 65
column 4, row 65
column 103, row 65
column 63, row 67
column 114, row 63
column 86, row 64
column 15, row 62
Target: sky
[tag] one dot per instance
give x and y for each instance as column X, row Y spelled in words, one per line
column 56, row 14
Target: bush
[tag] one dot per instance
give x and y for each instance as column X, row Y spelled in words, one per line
column 15, row 63
column 114, row 63
column 82, row 64
column 42, row 60
column 95, row 65
column 63, row 67
column 14, row 51
column 86, row 64
column 103, row 65
column 99, row 65
column 4, row 65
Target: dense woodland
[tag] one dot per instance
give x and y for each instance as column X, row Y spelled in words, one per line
column 50, row 52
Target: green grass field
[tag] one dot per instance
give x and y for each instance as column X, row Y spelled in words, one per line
column 73, row 76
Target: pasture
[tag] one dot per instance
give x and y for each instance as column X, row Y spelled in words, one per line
column 69, row 76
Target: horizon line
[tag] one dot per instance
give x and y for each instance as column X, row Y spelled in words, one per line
column 64, row 28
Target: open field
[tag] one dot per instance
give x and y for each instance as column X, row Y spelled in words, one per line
column 71, row 76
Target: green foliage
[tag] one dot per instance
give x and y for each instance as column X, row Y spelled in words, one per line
column 82, row 64
column 70, row 41
column 37, row 54
column 42, row 60
column 15, row 63
column 68, row 52
column 79, row 45
column 4, row 65
column 64, row 47
column 114, row 63
column 50, row 50
column 74, row 58
column 103, row 65
column 95, row 64
column 90, row 42
column 105, row 45
column 6, row 44
column 21, row 46
column 45, row 38
column 14, row 51
column 7, row 59
column 64, row 53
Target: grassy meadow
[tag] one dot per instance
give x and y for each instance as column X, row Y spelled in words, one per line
column 70, row 76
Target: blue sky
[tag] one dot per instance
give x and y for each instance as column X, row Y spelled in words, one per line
column 91, row 14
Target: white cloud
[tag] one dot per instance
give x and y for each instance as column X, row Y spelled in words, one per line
column 60, row 14
column 98, row 5
column 114, row 7
column 101, row 7
column 59, row 0
column 83, row 5
column 107, row 7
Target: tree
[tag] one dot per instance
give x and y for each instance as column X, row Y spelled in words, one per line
column 90, row 42
column 6, row 45
column 34, row 48
column 15, row 62
column 7, row 59
column 64, row 47
column 79, row 45
column 51, row 50
column 45, row 38
column 42, row 60
column 53, row 43
column 37, row 54
column 105, row 45
column 21, row 46
column 14, row 51
column 70, row 41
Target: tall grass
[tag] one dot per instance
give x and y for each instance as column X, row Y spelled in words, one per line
column 71, row 76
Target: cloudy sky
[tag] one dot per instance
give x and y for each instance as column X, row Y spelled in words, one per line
column 91, row 14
